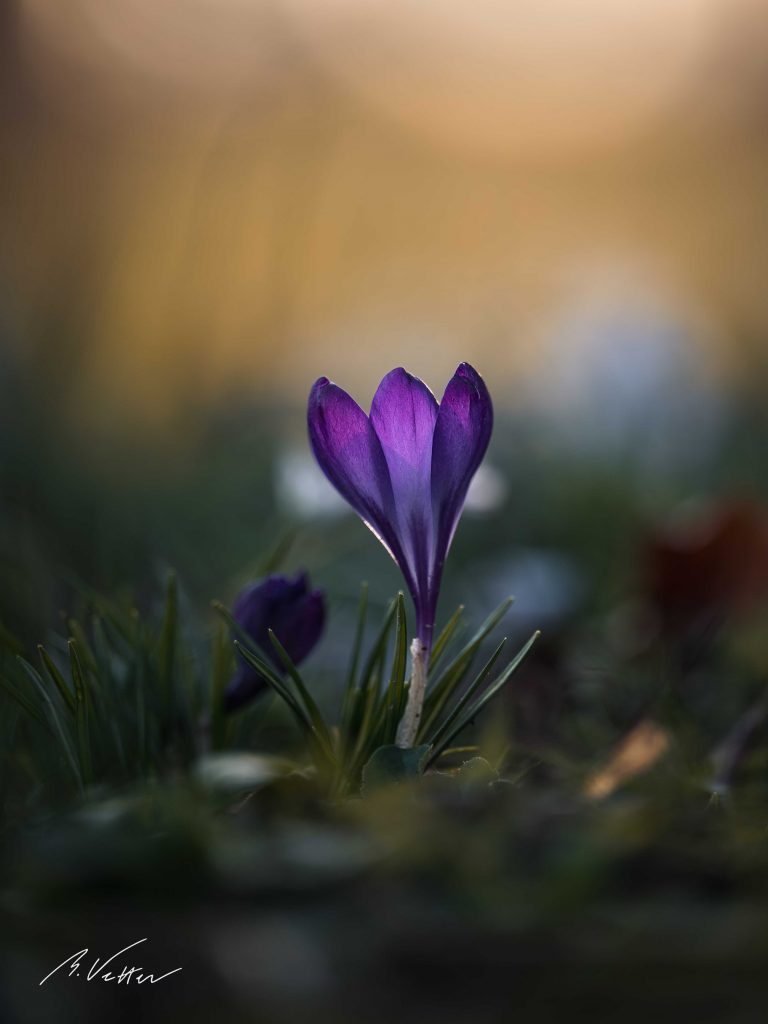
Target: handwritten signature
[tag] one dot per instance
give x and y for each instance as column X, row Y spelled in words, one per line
column 98, row 971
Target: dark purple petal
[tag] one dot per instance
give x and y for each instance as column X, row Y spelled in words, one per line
column 298, row 626
column 403, row 415
column 295, row 614
column 350, row 454
column 462, row 432
column 244, row 687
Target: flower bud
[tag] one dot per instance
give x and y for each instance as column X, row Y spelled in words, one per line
column 294, row 613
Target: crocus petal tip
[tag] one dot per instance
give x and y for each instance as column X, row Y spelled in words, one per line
column 320, row 383
column 468, row 372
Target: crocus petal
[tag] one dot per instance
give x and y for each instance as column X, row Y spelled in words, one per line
column 255, row 606
column 301, row 627
column 350, row 454
column 294, row 613
column 403, row 415
column 462, row 432
column 244, row 687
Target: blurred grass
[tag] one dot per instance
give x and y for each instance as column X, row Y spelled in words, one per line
column 474, row 889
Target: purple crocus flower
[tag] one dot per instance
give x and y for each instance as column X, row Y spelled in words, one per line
column 294, row 613
column 405, row 469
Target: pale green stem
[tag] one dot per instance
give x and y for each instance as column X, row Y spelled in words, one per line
column 408, row 728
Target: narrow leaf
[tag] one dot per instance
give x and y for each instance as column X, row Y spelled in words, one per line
column 440, row 645
column 349, row 689
column 23, row 701
column 316, row 741
column 366, row 693
column 57, row 678
column 304, row 694
column 395, row 692
column 59, row 726
column 440, row 692
column 82, row 725
column 244, row 644
column 489, row 694
column 468, row 694
column 275, row 556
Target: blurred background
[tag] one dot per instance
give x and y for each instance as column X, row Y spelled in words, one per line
column 205, row 206
column 205, row 209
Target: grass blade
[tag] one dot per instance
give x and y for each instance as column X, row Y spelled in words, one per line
column 468, row 694
column 315, row 740
column 23, row 701
column 489, row 694
column 440, row 645
column 84, row 648
column 82, row 714
column 365, row 695
column 365, row 736
column 57, row 678
column 275, row 556
column 244, row 644
column 306, row 697
column 394, row 697
column 349, row 689
column 59, row 726
column 440, row 693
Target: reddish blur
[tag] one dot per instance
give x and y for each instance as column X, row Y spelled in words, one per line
column 710, row 563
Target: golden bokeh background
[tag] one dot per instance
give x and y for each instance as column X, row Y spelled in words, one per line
column 225, row 197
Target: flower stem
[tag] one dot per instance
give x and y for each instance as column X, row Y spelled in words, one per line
column 408, row 728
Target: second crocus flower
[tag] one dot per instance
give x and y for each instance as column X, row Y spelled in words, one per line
column 294, row 613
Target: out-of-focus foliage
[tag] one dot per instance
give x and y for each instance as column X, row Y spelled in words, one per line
column 604, row 820
column 206, row 206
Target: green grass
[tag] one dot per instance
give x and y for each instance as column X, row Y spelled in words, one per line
column 289, row 857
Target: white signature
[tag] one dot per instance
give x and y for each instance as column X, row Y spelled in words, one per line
column 98, row 970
